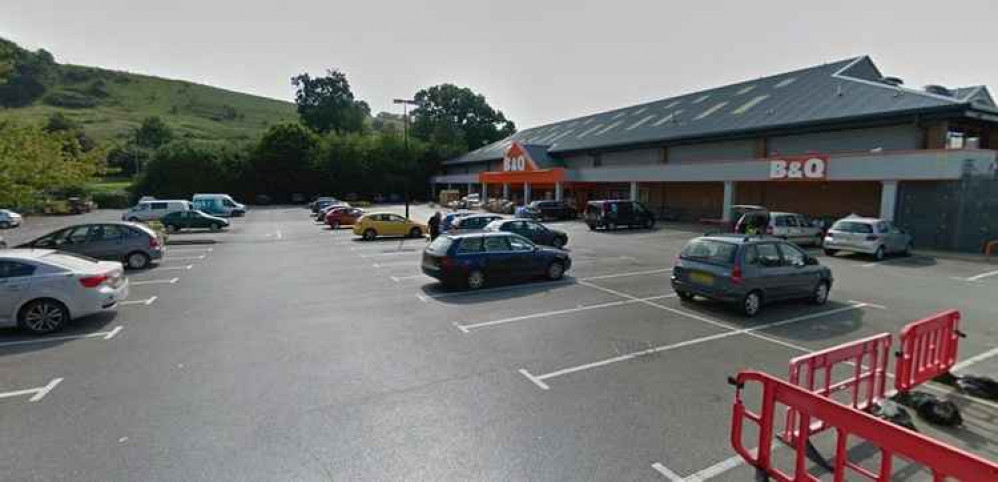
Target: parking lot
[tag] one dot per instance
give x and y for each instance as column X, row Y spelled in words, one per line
column 282, row 350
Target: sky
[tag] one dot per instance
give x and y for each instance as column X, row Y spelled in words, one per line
column 538, row 61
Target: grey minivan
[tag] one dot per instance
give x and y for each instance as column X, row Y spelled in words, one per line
column 749, row 271
column 135, row 245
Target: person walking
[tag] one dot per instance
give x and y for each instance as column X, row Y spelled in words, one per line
column 434, row 225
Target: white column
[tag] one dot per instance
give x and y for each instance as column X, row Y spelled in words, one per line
column 485, row 192
column 526, row 193
column 471, row 187
column 505, row 190
column 729, row 200
column 634, row 191
column 558, row 193
column 888, row 199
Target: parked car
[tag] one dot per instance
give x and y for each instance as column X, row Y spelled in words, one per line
column 9, row 219
column 545, row 210
column 472, row 222
column 616, row 213
column 343, row 216
column 79, row 205
column 536, row 232
column 472, row 260
column 219, row 205
column 321, row 202
column 749, row 271
column 193, row 219
column 134, row 244
column 320, row 215
column 871, row 236
column 41, row 290
column 370, row 226
column 154, row 210
column 793, row 227
column 448, row 219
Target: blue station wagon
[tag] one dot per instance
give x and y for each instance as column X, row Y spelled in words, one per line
column 475, row 259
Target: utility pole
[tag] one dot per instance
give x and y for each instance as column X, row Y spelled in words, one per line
column 405, row 139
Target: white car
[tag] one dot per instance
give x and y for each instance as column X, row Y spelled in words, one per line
column 9, row 219
column 41, row 289
column 866, row 235
column 153, row 210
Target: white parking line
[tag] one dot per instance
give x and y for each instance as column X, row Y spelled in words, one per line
column 107, row 335
column 145, row 302
column 982, row 276
column 631, row 273
column 184, row 258
column 400, row 263
column 666, row 472
column 695, row 341
column 468, row 328
column 36, row 393
column 974, row 359
column 175, row 268
column 156, row 282
column 402, row 278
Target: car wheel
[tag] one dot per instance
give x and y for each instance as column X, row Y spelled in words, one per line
column 878, row 255
column 611, row 226
column 907, row 250
column 752, row 304
column 137, row 260
column 415, row 233
column 214, row 227
column 370, row 234
column 685, row 295
column 43, row 316
column 820, row 295
column 4, row 224
column 650, row 223
column 558, row 242
column 831, row 252
column 170, row 228
column 335, row 225
column 555, row 271
column 476, row 279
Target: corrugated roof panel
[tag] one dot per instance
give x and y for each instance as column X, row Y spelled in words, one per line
column 745, row 90
column 589, row 131
column 718, row 106
column 672, row 104
column 750, row 104
column 640, row 122
column 701, row 98
column 619, row 115
column 587, row 121
column 609, row 127
column 639, row 111
column 563, row 134
column 668, row 118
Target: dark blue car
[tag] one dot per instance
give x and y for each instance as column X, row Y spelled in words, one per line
column 475, row 259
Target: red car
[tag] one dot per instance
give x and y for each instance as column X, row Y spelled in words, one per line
column 337, row 217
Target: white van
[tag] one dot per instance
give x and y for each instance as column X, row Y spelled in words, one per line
column 155, row 209
column 219, row 205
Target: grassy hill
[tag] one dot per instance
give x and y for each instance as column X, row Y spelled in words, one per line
column 111, row 104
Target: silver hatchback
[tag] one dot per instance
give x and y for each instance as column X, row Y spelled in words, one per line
column 871, row 236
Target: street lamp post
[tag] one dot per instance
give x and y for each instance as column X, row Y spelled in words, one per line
column 405, row 139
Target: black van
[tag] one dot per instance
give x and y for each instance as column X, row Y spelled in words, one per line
column 616, row 213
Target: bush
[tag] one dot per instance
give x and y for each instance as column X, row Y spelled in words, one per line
column 111, row 199
column 70, row 100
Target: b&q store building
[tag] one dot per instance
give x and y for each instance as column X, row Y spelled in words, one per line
column 828, row 140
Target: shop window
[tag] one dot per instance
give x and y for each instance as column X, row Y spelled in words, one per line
column 963, row 139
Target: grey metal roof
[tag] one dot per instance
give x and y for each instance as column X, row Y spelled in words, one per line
column 839, row 90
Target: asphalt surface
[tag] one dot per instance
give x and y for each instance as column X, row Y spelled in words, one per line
column 280, row 350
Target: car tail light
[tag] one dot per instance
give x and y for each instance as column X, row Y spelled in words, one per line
column 736, row 274
column 93, row 281
column 872, row 237
column 153, row 242
column 769, row 229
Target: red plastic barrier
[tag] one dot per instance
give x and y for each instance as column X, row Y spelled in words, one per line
column 928, row 349
column 867, row 381
column 851, row 426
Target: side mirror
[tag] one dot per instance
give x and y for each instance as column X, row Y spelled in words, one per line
column 811, row 261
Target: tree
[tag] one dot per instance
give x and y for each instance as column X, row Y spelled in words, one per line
column 34, row 162
column 448, row 114
column 326, row 104
column 282, row 161
column 153, row 133
column 25, row 75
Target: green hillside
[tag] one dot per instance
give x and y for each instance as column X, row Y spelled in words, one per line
column 111, row 104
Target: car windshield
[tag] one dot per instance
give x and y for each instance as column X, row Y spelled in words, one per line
column 853, row 227
column 440, row 245
column 709, row 251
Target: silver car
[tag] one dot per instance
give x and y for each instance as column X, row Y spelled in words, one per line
column 134, row 244
column 9, row 219
column 871, row 236
column 41, row 289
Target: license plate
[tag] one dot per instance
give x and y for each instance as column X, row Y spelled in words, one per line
column 702, row 278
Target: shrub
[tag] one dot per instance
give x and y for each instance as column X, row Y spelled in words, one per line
column 71, row 100
column 112, row 199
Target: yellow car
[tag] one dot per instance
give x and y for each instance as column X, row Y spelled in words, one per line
column 372, row 225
